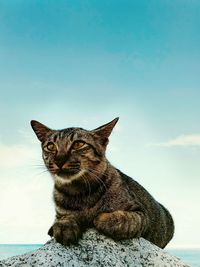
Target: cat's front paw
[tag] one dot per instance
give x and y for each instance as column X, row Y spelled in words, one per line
column 117, row 224
column 65, row 232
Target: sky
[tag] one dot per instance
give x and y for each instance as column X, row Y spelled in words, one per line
column 83, row 63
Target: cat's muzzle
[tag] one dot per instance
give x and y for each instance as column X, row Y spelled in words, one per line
column 68, row 172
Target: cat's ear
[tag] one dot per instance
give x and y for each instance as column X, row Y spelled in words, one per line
column 105, row 130
column 40, row 130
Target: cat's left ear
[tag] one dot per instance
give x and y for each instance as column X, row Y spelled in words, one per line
column 105, row 130
column 40, row 130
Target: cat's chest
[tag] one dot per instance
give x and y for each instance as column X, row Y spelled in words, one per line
column 75, row 202
column 113, row 199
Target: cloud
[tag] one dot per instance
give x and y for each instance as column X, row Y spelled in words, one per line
column 25, row 184
column 182, row 140
column 12, row 156
column 33, row 212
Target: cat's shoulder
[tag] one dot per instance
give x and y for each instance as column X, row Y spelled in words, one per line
column 130, row 182
column 125, row 178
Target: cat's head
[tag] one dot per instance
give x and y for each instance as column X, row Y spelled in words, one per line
column 74, row 152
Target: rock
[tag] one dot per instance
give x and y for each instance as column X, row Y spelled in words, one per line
column 96, row 250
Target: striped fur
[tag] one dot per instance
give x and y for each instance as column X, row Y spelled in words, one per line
column 90, row 192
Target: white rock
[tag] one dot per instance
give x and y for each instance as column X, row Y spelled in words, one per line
column 96, row 250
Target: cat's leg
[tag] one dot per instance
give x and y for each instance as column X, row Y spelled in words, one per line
column 121, row 224
column 66, row 230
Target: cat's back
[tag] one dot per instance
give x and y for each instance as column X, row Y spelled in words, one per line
column 137, row 190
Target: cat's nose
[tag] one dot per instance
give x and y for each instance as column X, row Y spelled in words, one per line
column 60, row 162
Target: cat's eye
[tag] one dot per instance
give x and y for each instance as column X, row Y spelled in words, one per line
column 78, row 144
column 51, row 146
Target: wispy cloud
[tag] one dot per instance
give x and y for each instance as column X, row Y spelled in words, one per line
column 182, row 140
column 12, row 156
column 23, row 179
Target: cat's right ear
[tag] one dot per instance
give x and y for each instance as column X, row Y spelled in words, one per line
column 105, row 130
column 40, row 130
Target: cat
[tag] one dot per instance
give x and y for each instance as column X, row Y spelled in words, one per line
column 90, row 192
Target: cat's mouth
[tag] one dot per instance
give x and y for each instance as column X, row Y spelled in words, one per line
column 68, row 172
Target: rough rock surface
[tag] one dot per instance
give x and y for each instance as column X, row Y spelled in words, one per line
column 96, row 250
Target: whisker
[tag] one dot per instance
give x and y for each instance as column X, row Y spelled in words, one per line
column 87, row 183
column 37, row 165
column 41, row 173
column 97, row 178
column 98, row 172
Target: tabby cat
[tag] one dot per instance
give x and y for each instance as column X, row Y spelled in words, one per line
column 90, row 192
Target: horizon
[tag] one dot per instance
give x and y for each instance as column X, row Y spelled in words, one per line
column 83, row 64
column 168, row 247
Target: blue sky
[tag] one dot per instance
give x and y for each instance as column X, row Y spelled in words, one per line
column 82, row 63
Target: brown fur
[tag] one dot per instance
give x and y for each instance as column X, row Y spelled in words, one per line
column 90, row 192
